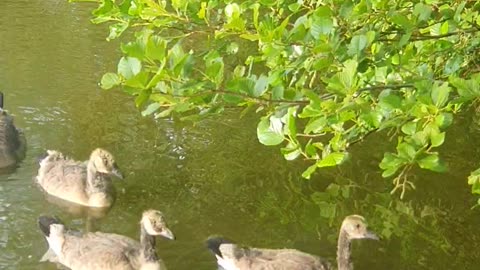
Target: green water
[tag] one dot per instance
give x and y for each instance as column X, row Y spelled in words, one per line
column 209, row 178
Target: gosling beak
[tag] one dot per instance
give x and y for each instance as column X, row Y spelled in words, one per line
column 371, row 235
column 117, row 173
column 167, row 234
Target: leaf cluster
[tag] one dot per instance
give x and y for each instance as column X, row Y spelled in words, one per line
column 323, row 74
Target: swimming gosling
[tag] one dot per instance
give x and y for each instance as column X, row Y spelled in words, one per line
column 106, row 251
column 230, row 256
column 86, row 183
column 12, row 141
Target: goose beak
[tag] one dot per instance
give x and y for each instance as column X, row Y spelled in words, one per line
column 371, row 235
column 167, row 234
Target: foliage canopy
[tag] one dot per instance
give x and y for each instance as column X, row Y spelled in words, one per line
column 323, row 74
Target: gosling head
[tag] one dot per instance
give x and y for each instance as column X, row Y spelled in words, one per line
column 56, row 230
column 105, row 163
column 154, row 223
column 356, row 228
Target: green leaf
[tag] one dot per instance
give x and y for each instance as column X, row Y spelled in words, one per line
column 390, row 161
column 431, row 162
column 372, row 118
column 474, row 181
column 165, row 112
column 261, row 86
column 420, row 138
column 266, row 134
column 214, row 67
column 453, row 65
column 406, row 150
column 308, row 172
column 409, row 128
column 357, row 44
column 129, row 67
column 468, row 89
column 311, row 150
column 142, row 97
column 203, row 10
column 138, row 81
column 117, row 29
column 156, row 48
column 444, row 120
column 402, row 20
column 153, row 107
column 344, row 82
column 110, row 80
column 388, row 100
column 179, row 4
column 133, row 49
column 422, row 11
column 332, row 159
column 277, row 92
column 436, row 137
column 315, row 125
column 232, row 10
column 291, row 151
column 444, row 28
column 333, row 189
column 322, row 22
column 291, row 122
column 440, row 94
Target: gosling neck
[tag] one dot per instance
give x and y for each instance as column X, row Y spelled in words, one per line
column 147, row 242
column 95, row 180
column 344, row 251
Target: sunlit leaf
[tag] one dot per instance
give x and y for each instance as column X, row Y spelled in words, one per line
column 156, row 48
column 110, row 80
column 308, row 172
column 129, row 67
column 261, row 85
column 291, row 151
column 321, row 22
column 267, row 135
column 357, row 44
column 315, row 125
column 406, row 150
column 153, row 107
column 422, row 11
column 332, row 159
column 409, row 128
column 440, row 94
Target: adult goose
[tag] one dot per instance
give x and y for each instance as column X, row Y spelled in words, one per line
column 231, row 256
column 86, row 183
column 12, row 141
column 105, row 251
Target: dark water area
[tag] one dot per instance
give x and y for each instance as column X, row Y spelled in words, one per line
column 211, row 177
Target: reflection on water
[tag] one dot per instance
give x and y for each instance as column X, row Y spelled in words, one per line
column 209, row 178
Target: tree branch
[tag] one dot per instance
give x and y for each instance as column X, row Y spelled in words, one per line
column 246, row 96
column 427, row 37
column 381, row 87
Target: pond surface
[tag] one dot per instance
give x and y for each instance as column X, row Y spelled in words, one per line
column 212, row 177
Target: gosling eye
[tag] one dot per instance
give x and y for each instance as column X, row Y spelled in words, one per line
column 357, row 226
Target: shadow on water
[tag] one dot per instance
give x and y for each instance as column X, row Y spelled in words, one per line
column 212, row 177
